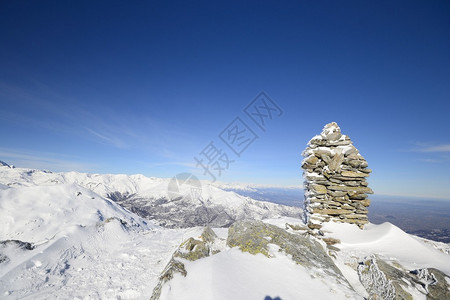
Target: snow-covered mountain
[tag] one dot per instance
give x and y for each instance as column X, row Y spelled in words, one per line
column 64, row 241
column 3, row 164
column 60, row 239
column 150, row 197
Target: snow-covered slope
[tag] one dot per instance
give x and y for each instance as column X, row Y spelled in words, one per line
column 59, row 239
column 390, row 241
column 379, row 262
column 36, row 214
column 391, row 245
column 149, row 197
column 3, row 164
column 232, row 274
column 65, row 241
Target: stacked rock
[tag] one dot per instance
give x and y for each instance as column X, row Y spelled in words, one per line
column 335, row 179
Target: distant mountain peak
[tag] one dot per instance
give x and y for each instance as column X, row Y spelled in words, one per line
column 3, row 164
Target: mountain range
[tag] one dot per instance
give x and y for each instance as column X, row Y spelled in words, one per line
column 101, row 236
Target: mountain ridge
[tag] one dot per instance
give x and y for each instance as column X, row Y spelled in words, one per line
column 61, row 238
column 151, row 198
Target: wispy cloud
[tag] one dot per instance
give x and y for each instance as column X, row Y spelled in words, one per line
column 112, row 140
column 431, row 160
column 435, row 148
column 435, row 153
column 46, row 161
column 45, row 107
column 421, row 147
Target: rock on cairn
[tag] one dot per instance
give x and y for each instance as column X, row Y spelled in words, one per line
column 335, row 179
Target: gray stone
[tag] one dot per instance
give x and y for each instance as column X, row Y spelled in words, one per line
column 255, row 236
column 331, row 132
column 351, row 189
column 332, row 212
column 191, row 249
column 357, row 196
column 336, row 162
column 357, row 216
column 441, row 288
column 338, row 187
column 354, row 163
column 431, row 282
column 337, row 193
column 339, row 143
column 318, row 189
column 353, row 174
column 349, row 149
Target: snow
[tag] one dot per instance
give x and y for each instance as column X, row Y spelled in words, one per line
column 146, row 192
column 36, row 214
column 104, row 184
column 89, row 264
column 82, row 247
column 232, row 274
column 3, row 164
column 282, row 221
column 389, row 241
column 88, row 247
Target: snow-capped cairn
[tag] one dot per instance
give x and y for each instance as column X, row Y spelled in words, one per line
column 335, row 179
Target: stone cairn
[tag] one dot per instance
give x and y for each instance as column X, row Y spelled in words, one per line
column 335, row 180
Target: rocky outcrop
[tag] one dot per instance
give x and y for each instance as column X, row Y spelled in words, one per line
column 191, row 249
column 255, row 237
column 16, row 244
column 389, row 280
column 335, row 179
column 440, row 287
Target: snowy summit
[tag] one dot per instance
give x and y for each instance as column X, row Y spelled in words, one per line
column 66, row 234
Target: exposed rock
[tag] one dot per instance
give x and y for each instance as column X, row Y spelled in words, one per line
column 318, row 189
column 375, row 281
column 255, row 236
column 335, row 164
column 173, row 267
column 3, row 164
column 20, row 244
column 360, row 189
column 3, row 258
column 332, row 212
column 295, row 227
column 441, row 288
column 335, row 179
column 191, row 249
column 355, row 221
column 15, row 244
column 389, row 280
column 353, row 174
column 331, row 241
column 208, row 235
column 314, row 226
column 365, row 202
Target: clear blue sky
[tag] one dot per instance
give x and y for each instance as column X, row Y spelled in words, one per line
column 144, row 86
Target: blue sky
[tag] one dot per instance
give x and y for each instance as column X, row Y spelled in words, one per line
column 137, row 87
